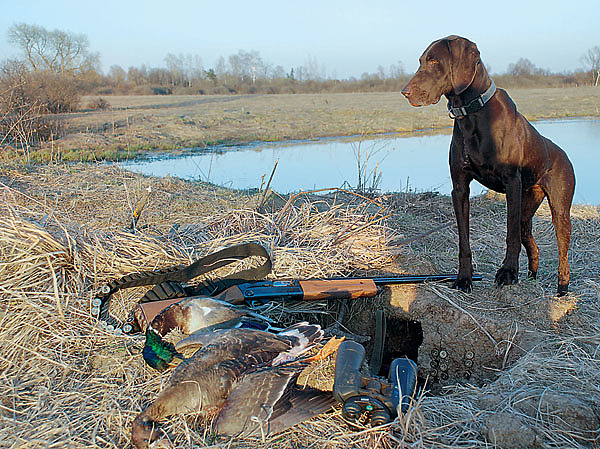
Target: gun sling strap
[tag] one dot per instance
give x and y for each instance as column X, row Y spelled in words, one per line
column 168, row 281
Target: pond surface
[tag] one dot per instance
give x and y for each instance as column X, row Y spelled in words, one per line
column 417, row 163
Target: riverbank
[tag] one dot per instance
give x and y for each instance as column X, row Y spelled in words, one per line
column 69, row 383
column 142, row 123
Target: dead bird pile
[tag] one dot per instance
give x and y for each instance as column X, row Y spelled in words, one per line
column 65, row 382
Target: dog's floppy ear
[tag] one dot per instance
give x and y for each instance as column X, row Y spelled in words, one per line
column 465, row 56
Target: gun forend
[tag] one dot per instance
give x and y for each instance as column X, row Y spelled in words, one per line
column 338, row 289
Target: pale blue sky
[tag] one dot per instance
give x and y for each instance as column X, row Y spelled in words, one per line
column 346, row 37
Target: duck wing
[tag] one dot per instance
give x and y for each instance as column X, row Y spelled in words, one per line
column 303, row 405
column 229, row 345
column 266, row 402
column 252, row 402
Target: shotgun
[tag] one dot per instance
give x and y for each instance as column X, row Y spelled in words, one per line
column 331, row 288
column 281, row 290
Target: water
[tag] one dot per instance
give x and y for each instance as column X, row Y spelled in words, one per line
column 417, row 163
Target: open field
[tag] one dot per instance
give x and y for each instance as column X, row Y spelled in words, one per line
column 171, row 122
column 65, row 382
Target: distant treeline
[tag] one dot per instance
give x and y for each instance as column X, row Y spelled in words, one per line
column 246, row 73
column 67, row 55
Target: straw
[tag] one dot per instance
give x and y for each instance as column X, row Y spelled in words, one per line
column 65, row 382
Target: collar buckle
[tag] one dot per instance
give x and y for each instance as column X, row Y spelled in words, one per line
column 475, row 105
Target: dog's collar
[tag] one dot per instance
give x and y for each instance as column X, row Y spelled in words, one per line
column 475, row 105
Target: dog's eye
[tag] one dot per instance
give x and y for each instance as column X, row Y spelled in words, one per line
column 433, row 61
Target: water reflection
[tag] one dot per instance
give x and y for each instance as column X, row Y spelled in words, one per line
column 417, row 163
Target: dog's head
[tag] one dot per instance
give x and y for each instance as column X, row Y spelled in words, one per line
column 447, row 67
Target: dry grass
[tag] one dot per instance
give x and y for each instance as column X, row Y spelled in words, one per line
column 64, row 382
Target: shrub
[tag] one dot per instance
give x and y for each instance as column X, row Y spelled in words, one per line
column 142, row 90
column 161, row 90
column 98, row 103
column 24, row 109
column 58, row 93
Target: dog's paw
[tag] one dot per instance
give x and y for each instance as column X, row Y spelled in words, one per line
column 562, row 290
column 463, row 284
column 506, row 276
column 532, row 274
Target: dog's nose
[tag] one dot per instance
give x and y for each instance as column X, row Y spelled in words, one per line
column 406, row 91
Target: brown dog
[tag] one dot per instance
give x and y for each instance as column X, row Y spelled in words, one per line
column 497, row 146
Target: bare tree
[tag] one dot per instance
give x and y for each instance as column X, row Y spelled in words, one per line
column 220, row 69
column 138, row 75
column 56, row 51
column 278, row 72
column 175, row 66
column 118, row 75
column 523, row 67
column 247, row 66
column 194, row 69
column 312, row 70
column 396, row 70
column 592, row 58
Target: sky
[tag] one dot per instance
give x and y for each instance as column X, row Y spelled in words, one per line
column 347, row 38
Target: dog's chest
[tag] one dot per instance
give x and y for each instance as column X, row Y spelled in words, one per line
column 478, row 158
column 474, row 154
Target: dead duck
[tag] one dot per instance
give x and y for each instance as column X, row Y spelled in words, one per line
column 245, row 377
column 196, row 313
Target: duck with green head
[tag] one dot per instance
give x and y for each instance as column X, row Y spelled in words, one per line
column 194, row 314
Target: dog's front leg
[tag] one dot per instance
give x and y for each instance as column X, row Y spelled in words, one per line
column 460, row 201
column 509, row 272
